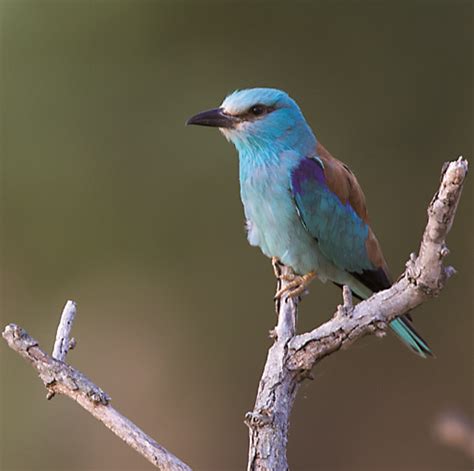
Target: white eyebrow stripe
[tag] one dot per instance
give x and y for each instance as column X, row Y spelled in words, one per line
column 232, row 111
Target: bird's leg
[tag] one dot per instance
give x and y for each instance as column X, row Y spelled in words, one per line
column 276, row 264
column 296, row 285
column 280, row 274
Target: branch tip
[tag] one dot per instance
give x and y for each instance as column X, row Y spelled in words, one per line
column 347, row 297
column 62, row 344
column 444, row 252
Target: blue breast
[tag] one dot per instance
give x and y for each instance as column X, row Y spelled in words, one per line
column 273, row 222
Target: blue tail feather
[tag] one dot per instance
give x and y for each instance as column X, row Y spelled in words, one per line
column 410, row 337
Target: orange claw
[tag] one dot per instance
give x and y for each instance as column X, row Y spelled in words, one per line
column 297, row 284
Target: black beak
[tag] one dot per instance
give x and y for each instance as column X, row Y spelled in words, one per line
column 216, row 118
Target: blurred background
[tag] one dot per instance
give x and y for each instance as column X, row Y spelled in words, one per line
column 107, row 199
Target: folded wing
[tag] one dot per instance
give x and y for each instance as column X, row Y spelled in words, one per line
column 331, row 206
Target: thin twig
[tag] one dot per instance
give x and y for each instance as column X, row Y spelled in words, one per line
column 63, row 344
column 60, row 378
column 291, row 357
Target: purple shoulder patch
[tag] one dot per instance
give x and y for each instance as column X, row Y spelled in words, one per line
column 308, row 169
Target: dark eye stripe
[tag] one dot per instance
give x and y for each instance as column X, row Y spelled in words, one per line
column 256, row 111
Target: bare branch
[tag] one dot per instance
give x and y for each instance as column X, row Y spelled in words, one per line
column 62, row 344
column 60, row 378
column 269, row 421
column 291, row 357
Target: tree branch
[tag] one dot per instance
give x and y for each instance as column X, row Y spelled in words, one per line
column 60, row 378
column 291, row 357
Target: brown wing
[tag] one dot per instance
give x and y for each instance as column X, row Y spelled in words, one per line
column 344, row 184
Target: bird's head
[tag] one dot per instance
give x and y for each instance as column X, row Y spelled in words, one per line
column 257, row 118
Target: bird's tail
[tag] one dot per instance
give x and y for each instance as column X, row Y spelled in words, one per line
column 403, row 327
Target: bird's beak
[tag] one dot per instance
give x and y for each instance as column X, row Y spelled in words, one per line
column 216, row 118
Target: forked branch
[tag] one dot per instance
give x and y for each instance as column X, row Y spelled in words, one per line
column 60, row 378
column 291, row 357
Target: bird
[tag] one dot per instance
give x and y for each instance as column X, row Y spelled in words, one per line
column 303, row 207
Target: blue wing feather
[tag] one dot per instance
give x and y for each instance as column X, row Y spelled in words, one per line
column 340, row 232
column 341, row 236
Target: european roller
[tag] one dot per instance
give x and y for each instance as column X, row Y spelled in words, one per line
column 303, row 207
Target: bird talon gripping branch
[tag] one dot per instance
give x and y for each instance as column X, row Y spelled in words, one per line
column 297, row 285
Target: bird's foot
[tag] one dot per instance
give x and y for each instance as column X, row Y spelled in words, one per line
column 296, row 284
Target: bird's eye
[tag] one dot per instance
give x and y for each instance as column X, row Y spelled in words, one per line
column 257, row 110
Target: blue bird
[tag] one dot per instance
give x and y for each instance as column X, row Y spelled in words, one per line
column 302, row 206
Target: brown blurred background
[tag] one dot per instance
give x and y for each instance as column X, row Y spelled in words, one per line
column 109, row 200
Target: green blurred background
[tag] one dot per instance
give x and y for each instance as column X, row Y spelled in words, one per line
column 109, row 200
